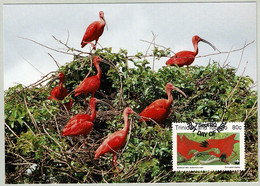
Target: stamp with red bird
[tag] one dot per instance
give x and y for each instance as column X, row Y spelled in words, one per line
column 208, row 146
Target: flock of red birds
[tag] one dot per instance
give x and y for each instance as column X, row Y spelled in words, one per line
column 82, row 124
column 225, row 147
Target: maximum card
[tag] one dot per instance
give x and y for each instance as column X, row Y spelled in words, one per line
column 208, row 146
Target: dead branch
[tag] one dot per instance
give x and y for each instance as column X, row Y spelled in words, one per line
column 56, row 62
column 158, row 45
column 32, row 66
column 254, row 107
column 31, row 116
column 241, row 57
column 53, row 49
column 228, row 51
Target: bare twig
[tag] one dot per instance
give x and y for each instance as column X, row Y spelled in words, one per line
column 67, row 38
column 224, row 64
column 154, row 37
column 31, row 116
column 56, row 62
column 228, row 51
column 234, row 89
column 46, row 46
column 248, row 114
column 11, row 130
column 32, row 65
column 158, row 45
column 227, row 103
column 241, row 57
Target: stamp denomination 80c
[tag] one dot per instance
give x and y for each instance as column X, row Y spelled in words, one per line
column 208, row 146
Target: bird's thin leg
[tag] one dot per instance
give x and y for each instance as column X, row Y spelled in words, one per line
column 188, row 69
column 114, row 157
column 232, row 156
column 84, row 142
column 86, row 106
column 112, row 163
column 95, row 44
column 84, row 42
column 73, row 140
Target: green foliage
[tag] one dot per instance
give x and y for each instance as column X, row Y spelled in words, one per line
column 33, row 123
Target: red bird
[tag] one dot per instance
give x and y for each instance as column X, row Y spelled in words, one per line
column 81, row 124
column 185, row 145
column 116, row 140
column 59, row 92
column 183, row 149
column 225, row 147
column 94, row 31
column 90, row 84
column 160, row 109
column 187, row 57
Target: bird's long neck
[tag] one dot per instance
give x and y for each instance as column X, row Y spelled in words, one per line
column 99, row 72
column 169, row 100
column 60, row 84
column 196, row 49
column 93, row 112
column 126, row 121
column 102, row 21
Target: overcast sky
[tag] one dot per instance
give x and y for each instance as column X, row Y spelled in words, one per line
column 226, row 25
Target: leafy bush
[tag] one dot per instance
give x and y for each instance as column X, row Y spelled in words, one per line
column 33, row 123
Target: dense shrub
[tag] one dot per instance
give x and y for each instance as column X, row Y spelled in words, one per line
column 35, row 151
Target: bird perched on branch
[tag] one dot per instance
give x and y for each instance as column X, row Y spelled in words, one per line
column 115, row 141
column 187, row 57
column 160, row 109
column 225, row 146
column 59, row 92
column 94, row 31
column 81, row 124
column 90, row 84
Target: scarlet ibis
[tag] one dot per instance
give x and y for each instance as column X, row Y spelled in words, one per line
column 160, row 109
column 81, row 124
column 225, row 146
column 187, row 57
column 115, row 141
column 183, row 148
column 185, row 145
column 59, row 92
column 90, row 84
column 193, row 145
column 94, row 31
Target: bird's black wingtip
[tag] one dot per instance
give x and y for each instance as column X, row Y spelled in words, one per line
column 204, row 144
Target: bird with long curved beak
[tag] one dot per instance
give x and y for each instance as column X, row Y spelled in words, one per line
column 115, row 141
column 160, row 109
column 94, row 31
column 82, row 124
column 187, row 57
column 59, row 92
column 91, row 84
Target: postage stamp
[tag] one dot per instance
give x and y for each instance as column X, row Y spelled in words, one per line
column 208, row 146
